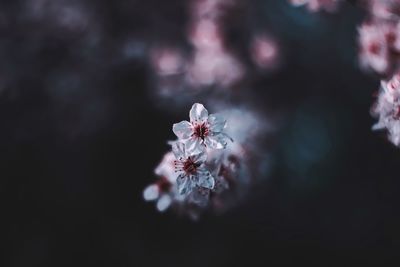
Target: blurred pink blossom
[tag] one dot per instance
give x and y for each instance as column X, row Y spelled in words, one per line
column 167, row 61
column 264, row 51
column 384, row 9
column 387, row 109
column 379, row 42
column 211, row 63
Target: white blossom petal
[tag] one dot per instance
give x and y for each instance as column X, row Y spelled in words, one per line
column 378, row 126
column 217, row 141
column 198, row 113
column 164, row 202
column 194, row 145
column 217, row 123
column 178, row 148
column 166, row 167
column 199, row 158
column 184, row 184
column 387, row 109
column 151, row 192
column 183, row 129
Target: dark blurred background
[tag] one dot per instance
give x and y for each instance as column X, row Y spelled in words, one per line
column 82, row 130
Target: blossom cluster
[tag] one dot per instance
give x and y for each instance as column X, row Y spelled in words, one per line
column 378, row 35
column 379, row 52
column 379, row 39
column 208, row 165
column 387, row 109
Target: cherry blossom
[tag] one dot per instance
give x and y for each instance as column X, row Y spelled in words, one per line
column 384, row 9
column 210, row 177
column 378, row 46
column 387, row 109
column 191, row 169
column 202, row 131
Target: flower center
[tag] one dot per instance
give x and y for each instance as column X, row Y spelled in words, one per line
column 201, row 130
column 190, row 167
column 374, row 48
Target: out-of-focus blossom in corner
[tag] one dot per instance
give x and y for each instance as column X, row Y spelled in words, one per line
column 376, row 42
column 379, row 41
column 214, row 179
column 317, row 5
column 387, row 109
column 384, row 9
column 379, row 37
column 264, row 52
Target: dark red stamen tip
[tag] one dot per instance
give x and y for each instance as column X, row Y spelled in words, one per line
column 201, row 130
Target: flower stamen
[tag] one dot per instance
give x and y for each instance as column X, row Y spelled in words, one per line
column 201, row 131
